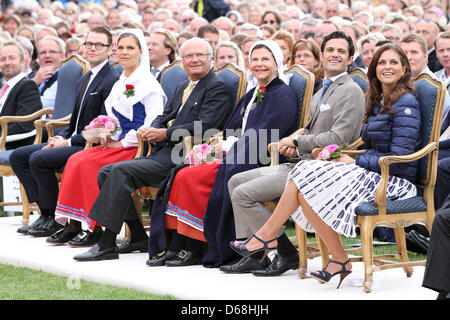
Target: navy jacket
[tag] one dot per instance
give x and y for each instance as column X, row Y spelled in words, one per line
column 444, row 145
column 392, row 134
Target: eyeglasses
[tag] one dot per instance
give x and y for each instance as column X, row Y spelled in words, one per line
column 97, row 45
column 190, row 56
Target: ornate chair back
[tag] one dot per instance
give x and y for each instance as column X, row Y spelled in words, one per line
column 359, row 76
column 171, row 77
column 235, row 80
column 302, row 82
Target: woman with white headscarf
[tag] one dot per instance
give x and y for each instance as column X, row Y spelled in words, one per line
column 134, row 102
column 198, row 207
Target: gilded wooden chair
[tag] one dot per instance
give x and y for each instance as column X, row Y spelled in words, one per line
column 235, row 82
column 399, row 214
column 359, row 76
column 302, row 82
column 70, row 71
column 171, row 76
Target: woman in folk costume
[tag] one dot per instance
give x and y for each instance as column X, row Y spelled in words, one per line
column 201, row 192
column 132, row 107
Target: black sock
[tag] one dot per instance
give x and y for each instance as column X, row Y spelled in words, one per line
column 108, row 240
column 137, row 231
column 285, row 247
column 48, row 213
column 177, row 243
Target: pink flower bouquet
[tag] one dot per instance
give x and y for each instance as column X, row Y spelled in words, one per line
column 201, row 154
column 330, row 152
column 100, row 129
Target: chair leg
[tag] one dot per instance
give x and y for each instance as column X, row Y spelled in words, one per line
column 324, row 253
column 367, row 247
column 302, row 251
column 401, row 246
column 25, row 207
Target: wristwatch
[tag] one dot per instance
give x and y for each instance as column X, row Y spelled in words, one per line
column 295, row 140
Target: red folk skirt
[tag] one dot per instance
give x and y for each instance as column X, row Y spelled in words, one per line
column 188, row 199
column 79, row 189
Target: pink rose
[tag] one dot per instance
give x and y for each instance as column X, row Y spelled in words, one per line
column 110, row 126
column 323, row 155
column 332, row 148
column 206, row 148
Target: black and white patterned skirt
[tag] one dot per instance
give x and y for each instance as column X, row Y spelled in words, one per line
column 335, row 189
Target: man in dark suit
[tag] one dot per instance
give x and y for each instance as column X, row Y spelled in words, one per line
column 199, row 104
column 19, row 95
column 35, row 165
column 429, row 31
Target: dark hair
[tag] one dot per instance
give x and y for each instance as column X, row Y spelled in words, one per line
column 375, row 93
column 105, row 31
column 338, row 35
column 207, row 28
column 126, row 35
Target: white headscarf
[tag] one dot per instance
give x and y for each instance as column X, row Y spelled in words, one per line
column 273, row 47
column 145, row 60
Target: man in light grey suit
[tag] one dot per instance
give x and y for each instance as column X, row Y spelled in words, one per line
column 336, row 116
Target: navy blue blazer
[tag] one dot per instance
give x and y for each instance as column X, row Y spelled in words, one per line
column 444, row 146
column 93, row 104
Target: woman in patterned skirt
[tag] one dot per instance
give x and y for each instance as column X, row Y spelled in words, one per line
column 321, row 195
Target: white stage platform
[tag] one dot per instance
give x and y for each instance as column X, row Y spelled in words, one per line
column 197, row 282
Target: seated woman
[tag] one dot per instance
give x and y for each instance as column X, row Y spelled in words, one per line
column 79, row 189
column 199, row 195
column 321, row 195
column 307, row 54
column 227, row 51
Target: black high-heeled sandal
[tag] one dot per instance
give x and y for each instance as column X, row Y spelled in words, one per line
column 243, row 251
column 324, row 276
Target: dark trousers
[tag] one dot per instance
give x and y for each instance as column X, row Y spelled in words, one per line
column 117, row 181
column 36, row 168
column 437, row 270
column 442, row 189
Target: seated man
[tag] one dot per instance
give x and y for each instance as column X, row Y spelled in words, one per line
column 336, row 116
column 162, row 50
column 199, row 104
column 19, row 95
column 51, row 53
column 35, row 165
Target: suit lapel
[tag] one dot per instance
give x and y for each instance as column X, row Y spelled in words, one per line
column 94, row 84
column 12, row 94
column 327, row 93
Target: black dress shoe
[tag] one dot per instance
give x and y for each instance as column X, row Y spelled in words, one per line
column 97, row 254
column 161, row 258
column 85, row 239
column 278, row 266
column 245, row 265
column 46, row 229
column 184, row 258
column 61, row 236
column 129, row 246
column 39, row 222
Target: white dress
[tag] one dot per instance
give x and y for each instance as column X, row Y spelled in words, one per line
column 335, row 189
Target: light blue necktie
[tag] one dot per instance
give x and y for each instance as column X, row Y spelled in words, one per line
column 326, row 84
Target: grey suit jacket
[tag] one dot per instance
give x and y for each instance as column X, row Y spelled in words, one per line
column 338, row 119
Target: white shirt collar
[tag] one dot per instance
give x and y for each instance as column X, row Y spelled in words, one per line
column 337, row 77
column 95, row 70
column 13, row 81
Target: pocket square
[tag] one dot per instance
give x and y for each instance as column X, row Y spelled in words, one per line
column 324, row 107
column 93, row 93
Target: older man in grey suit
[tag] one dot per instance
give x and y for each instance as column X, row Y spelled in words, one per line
column 336, row 116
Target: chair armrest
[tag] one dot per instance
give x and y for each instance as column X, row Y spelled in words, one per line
column 272, row 148
column 384, row 162
column 141, row 146
column 5, row 120
column 56, row 123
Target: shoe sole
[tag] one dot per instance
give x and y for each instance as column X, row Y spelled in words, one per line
column 109, row 256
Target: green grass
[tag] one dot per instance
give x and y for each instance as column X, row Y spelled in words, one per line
column 26, row 284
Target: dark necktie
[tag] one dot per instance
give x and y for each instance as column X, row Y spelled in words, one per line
column 48, row 83
column 326, row 84
column 83, row 89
